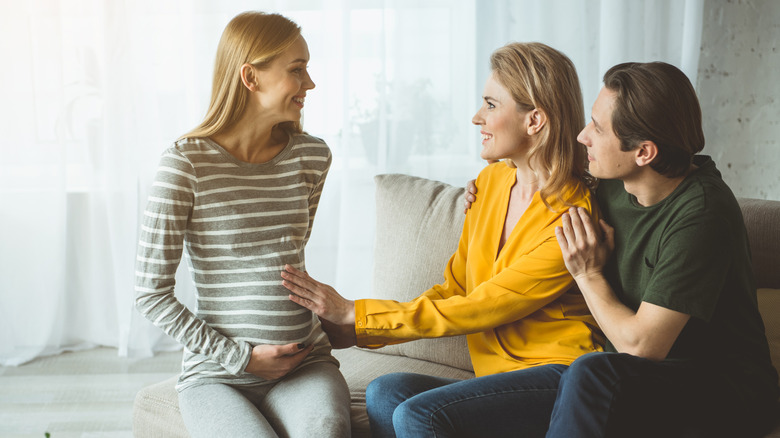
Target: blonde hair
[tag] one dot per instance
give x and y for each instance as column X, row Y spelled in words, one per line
column 256, row 38
column 538, row 76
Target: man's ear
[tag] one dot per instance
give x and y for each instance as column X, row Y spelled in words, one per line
column 249, row 77
column 535, row 119
column 645, row 153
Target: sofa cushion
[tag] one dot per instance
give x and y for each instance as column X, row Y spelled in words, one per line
column 419, row 222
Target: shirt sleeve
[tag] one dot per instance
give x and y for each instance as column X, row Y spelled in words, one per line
column 703, row 245
column 528, row 284
column 159, row 253
column 316, row 194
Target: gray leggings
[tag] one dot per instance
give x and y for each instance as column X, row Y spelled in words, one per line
column 311, row 401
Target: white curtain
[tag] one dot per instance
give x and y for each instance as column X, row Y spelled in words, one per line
column 93, row 90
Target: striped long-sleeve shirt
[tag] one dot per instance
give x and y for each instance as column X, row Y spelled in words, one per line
column 237, row 224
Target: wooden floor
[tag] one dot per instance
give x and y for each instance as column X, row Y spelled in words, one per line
column 82, row 394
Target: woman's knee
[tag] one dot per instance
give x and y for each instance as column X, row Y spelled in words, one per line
column 411, row 418
column 389, row 386
column 327, row 425
column 220, row 410
column 377, row 387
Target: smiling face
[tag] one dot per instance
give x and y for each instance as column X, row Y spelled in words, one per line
column 283, row 85
column 502, row 124
column 606, row 159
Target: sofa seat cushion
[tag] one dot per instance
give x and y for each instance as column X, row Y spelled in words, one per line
column 156, row 411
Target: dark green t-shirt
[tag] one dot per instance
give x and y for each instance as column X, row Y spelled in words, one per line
column 690, row 253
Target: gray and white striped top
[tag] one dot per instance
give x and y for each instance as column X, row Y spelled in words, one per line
column 239, row 223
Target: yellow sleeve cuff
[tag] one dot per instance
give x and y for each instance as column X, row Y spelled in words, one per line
column 360, row 319
column 361, row 327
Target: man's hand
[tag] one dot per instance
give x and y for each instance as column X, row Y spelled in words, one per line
column 275, row 361
column 648, row 332
column 584, row 251
column 318, row 297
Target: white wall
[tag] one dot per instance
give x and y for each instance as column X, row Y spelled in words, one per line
column 739, row 89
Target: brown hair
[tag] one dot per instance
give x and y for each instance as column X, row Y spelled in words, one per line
column 256, row 38
column 538, row 76
column 655, row 101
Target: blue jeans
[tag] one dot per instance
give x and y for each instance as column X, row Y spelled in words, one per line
column 620, row 395
column 515, row 403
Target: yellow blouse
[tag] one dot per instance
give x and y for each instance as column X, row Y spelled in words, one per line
column 516, row 307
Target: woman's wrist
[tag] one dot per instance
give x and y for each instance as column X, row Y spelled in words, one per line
column 349, row 317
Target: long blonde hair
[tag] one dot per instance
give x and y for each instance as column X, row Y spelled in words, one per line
column 538, row 76
column 256, row 38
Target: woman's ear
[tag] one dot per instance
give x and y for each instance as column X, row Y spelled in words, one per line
column 535, row 120
column 249, row 77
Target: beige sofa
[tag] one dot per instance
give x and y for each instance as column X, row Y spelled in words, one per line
column 418, row 224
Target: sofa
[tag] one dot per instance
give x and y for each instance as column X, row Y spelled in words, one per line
column 417, row 228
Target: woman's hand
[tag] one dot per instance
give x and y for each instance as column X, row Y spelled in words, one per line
column 585, row 252
column 471, row 187
column 317, row 297
column 275, row 361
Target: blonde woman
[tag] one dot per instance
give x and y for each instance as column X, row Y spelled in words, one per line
column 238, row 194
column 506, row 286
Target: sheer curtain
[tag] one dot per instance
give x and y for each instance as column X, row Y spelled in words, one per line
column 94, row 90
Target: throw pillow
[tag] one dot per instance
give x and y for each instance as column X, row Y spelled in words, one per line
column 419, row 222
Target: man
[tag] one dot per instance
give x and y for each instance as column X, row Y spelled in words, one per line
column 669, row 282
